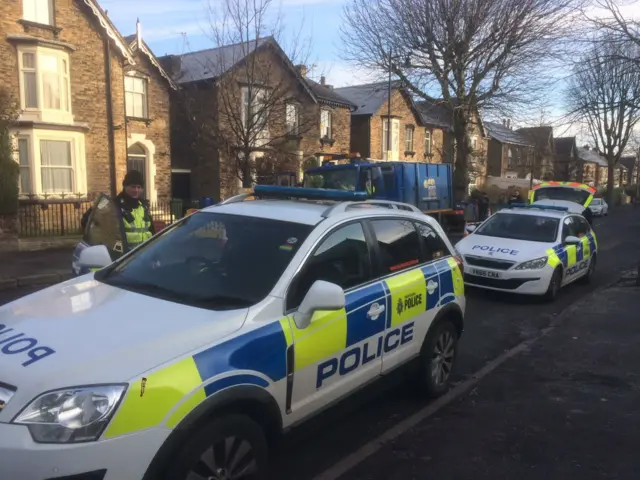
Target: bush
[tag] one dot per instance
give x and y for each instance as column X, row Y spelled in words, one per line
column 9, row 169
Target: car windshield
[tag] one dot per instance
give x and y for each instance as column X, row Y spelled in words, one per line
column 569, row 194
column 211, row 260
column 532, row 228
column 337, row 179
column 596, row 201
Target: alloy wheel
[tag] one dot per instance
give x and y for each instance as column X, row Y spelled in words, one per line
column 443, row 356
column 231, row 458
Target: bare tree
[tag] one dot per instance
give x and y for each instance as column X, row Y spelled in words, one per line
column 474, row 53
column 618, row 30
column 9, row 169
column 604, row 93
column 246, row 99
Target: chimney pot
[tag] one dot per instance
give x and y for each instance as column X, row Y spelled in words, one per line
column 323, row 80
column 302, row 70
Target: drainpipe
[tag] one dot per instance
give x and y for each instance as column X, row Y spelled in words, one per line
column 126, row 123
column 109, row 100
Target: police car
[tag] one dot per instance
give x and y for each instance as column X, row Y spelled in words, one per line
column 185, row 356
column 531, row 249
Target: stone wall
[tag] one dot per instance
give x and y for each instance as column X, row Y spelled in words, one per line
column 8, row 233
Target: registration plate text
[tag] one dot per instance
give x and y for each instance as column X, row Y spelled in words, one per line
column 485, row 273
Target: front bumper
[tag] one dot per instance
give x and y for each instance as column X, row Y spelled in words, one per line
column 526, row 282
column 124, row 458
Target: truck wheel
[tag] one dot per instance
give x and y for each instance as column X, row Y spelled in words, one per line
column 554, row 286
column 437, row 358
column 232, row 447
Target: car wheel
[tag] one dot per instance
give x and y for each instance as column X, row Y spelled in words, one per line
column 554, row 286
column 233, row 447
column 587, row 277
column 437, row 359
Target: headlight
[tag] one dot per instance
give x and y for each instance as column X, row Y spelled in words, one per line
column 77, row 414
column 533, row 264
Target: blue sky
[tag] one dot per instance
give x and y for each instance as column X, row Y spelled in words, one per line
column 173, row 26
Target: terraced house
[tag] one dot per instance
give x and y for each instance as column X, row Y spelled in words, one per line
column 245, row 111
column 93, row 102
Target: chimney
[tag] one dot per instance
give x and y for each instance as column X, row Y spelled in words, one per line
column 322, row 80
column 504, row 122
column 508, row 123
column 302, row 70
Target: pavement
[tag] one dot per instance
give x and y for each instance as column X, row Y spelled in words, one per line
column 496, row 325
column 25, row 269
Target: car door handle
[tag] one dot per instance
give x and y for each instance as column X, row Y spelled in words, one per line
column 375, row 311
column 431, row 286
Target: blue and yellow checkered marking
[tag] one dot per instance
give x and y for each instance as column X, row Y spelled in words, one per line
column 149, row 400
column 169, row 394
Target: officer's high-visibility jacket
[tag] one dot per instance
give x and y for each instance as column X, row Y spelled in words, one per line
column 137, row 224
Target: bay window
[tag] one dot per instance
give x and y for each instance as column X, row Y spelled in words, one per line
column 45, row 93
column 254, row 114
column 51, row 162
column 135, row 91
column 38, row 11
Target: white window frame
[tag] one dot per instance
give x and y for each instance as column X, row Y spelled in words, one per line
column 129, row 106
column 40, row 113
column 292, row 110
column 395, row 139
column 409, row 136
column 261, row 137
column 427, row 142
column 326, row 124
column 474, row 142
column 78, row 159
column 38, row 11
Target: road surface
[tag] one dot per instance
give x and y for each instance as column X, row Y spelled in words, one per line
column 494, row 323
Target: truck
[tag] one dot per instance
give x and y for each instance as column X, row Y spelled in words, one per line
column 427, row 186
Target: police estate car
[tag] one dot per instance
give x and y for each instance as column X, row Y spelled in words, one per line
column 233, row 324
column 530, row 249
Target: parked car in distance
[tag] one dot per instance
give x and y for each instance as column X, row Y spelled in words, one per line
column 598, row 207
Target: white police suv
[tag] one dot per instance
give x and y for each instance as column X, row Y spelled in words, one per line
column 530, row 249
column 183, row 358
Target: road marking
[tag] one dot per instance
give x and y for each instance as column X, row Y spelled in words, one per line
column 352, row 460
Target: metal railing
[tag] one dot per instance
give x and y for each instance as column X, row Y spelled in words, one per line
column 60, row 218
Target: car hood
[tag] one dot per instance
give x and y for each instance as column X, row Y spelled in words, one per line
column 501, row 248
column 86, row 332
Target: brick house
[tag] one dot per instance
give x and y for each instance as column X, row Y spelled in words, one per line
column 414, row 136
column 516, row 153
column 72, row 70
column 247, row 97
column 437, row 114
column 568, row 166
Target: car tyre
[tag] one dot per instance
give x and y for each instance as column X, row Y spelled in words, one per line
column 554, row 285
column 437, row 359
column 230, row 447
column 587, row 277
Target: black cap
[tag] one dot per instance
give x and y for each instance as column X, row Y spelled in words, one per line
column 133, row 177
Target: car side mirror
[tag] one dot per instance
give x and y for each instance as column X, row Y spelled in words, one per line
column 571, row 240
column 321, row 296
column 96, row 256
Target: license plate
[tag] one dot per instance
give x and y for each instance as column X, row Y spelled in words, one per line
column 485, row 273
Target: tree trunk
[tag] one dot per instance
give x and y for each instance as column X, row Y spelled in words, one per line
column 610, row 181
column 461, row 163
column 246, row 173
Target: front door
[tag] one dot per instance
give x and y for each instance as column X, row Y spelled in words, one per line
column 338, row 351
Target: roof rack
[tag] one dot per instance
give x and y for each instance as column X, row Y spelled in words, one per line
column 344, row 199
column 539, row 207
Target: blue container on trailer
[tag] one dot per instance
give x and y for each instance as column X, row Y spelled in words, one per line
column 206, row 202
column 428, row 186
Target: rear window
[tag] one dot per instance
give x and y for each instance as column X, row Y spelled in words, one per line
column 596, row 201
column 532, row 228
column 211, row 260
column 569, row 194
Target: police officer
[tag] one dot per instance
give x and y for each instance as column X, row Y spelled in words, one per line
column 138, row 224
